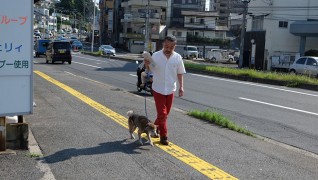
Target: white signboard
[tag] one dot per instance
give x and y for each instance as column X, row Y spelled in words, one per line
column 16, row 55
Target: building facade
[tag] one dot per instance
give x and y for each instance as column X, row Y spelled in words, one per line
column 134, row 20
column 106, row 21
column 288, row 27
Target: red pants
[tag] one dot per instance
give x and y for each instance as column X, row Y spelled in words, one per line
column 163, row 106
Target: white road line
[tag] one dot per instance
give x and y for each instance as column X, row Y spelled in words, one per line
column 88, row 65
column 275, row 105
column 133, row 75
column 90, row 59
column 253, row 84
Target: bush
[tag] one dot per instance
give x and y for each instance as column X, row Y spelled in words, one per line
column 311, row 52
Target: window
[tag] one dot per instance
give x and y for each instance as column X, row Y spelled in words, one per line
column 176, row 33
column 301, row 61
column 283, row 24
column 190, row 33
column 257, row 23
column 201, row 21
column 191, row 20
column 219, row 34
column 311, row 61
column 129, row 30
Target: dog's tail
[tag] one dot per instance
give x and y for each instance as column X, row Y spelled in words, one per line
column 130, row 113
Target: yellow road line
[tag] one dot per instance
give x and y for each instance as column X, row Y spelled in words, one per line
column 190, row 159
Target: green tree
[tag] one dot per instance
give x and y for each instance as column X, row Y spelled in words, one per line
column 79, row 7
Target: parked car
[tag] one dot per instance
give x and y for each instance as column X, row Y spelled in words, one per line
column 72, row 39
column 37, row 31
column 77, row 44
column 61, row 38
column 59, row 51
column 305, row 65
column 107, row 49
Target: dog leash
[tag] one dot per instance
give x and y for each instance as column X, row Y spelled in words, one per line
column 145, row 89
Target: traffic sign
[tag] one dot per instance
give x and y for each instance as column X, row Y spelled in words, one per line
column 16, row 55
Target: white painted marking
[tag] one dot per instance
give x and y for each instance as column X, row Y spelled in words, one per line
column 254, row 84
column 133, row 75
column 275, row 105
column 90, row 59
column 88, row 65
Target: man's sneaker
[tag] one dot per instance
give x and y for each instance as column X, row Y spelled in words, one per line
column 164, row 141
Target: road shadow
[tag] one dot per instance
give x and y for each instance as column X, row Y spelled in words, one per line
column 124, row 146
column 128, row 67
column 142, row 93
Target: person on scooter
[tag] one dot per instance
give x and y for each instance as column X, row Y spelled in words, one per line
column 147, row 72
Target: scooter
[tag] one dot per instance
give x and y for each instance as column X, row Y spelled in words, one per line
column 148, row 85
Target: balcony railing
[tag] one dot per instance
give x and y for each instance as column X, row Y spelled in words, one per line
column 140, row 20
column 161, row 3
column 132, row 35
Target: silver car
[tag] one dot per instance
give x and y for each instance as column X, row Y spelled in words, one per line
column 305, row 65
column 107, row 50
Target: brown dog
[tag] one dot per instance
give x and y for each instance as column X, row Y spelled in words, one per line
column 143, row 124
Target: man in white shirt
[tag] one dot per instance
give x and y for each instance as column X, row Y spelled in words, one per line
column 167, row 68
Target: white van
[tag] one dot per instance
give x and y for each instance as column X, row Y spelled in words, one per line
column 217, row 55
column 190, row 52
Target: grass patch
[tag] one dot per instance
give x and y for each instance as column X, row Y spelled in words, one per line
column 33, row 155
column 290, row 80
column 220, row 120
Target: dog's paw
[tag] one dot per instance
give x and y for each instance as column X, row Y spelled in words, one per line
column 140, row 142
column 150, row 142
column 132, row 137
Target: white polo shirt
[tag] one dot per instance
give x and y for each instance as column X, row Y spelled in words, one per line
column 165, row 72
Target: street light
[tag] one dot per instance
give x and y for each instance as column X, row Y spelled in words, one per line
column 245, row 2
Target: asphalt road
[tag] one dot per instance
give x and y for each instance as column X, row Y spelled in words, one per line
column 79, row 142
column 284, row 114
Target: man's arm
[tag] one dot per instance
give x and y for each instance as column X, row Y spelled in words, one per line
column 180, row 79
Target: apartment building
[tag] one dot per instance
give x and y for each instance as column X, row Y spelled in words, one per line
column 280, row 29
column 134, row 24
column 201, row 24
column 42, row 17
column 200, row 18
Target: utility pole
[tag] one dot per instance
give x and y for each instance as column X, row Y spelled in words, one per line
column 245, row 2
column 93, row 29
column 147, row 29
